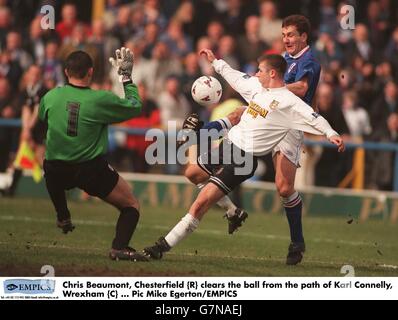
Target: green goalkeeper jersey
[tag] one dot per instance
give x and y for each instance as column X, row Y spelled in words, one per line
column 78, row 119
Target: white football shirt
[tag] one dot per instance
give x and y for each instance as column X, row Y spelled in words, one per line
column 270, row 114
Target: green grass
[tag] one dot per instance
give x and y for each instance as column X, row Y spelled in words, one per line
column 29, row 240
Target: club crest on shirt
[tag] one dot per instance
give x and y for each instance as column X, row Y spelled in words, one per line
column 291, row 67
column 274, row 104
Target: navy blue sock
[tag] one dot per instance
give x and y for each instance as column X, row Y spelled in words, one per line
column 293, row 207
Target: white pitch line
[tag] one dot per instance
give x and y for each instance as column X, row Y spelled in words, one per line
column 388, row 266
column 200, row 231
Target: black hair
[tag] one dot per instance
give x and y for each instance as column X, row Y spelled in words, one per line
column 78, row 63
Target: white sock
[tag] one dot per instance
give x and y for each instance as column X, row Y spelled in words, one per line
column 182, row 229
column 225, row 203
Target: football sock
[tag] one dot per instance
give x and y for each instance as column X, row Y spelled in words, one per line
column 125, row 227
column 293, row 207
column 225, row 203
column 182, row 229
column 58, row 198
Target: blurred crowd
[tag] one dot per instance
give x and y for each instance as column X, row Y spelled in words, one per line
column 357, row 94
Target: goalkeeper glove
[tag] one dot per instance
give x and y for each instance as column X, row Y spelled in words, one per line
column 124, row 63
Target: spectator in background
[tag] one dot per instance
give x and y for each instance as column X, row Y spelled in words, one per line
column 105, row 46
column 172, row 104
column 36, row 44
column 149, row 118
column 391, row 51
column 5, row 25
column 204, row 43
column 269, row 24
column 178, row 43
column 160, row 67
column 331, row 169
column 360, row 44
column 10, row 69
column 68, row 21
column 384, row 74
column 357, row 118
column 110, row 14
column 122, row 29
column 185, row 15
column 52, row 66
column 17, row 53
column 215, row 30
column 382, row 109
column 226, row 51
column 174, row 108
column 377, row 25
column 235, row 15
column 151, row 37
column 137, row 19
column 8, row 135
column 327, row 16
column 251, row 39
column 153, row 14
column 383, row 119
column 33, row 131
column 327, row 50
column 190, row 74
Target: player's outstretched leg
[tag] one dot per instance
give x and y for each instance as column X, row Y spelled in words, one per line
column 208, row 196
column 199, row 174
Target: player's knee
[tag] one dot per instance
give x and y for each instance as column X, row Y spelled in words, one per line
column 134, row 203
column 284, row 188
column 193, row 174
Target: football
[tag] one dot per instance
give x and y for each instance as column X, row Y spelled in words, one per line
column 206, row 90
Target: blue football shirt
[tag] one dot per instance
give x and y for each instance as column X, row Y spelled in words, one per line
column 301, row 65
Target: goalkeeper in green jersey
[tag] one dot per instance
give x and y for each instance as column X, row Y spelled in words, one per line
column 77, row 140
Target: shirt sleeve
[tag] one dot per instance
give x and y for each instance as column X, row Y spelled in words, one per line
column 241, row 82
column 115, row 109
column 305, row 69
column 304, row 118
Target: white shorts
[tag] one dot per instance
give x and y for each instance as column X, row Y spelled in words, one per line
column 290, row 146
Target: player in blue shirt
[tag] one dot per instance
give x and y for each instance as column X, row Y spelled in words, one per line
column 301, row 77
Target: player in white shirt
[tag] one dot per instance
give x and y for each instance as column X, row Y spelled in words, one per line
column 273, row 110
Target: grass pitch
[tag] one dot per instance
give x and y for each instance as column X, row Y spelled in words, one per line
column 29, row 240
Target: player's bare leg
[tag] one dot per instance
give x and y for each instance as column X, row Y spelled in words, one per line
column 122, row 198
column 207, row 197
column 235, row 215
column 284, row 180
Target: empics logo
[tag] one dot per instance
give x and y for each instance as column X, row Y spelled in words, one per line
column 29, row 286
column 11, row 287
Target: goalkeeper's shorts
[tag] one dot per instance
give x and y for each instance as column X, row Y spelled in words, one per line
column 96, row 176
